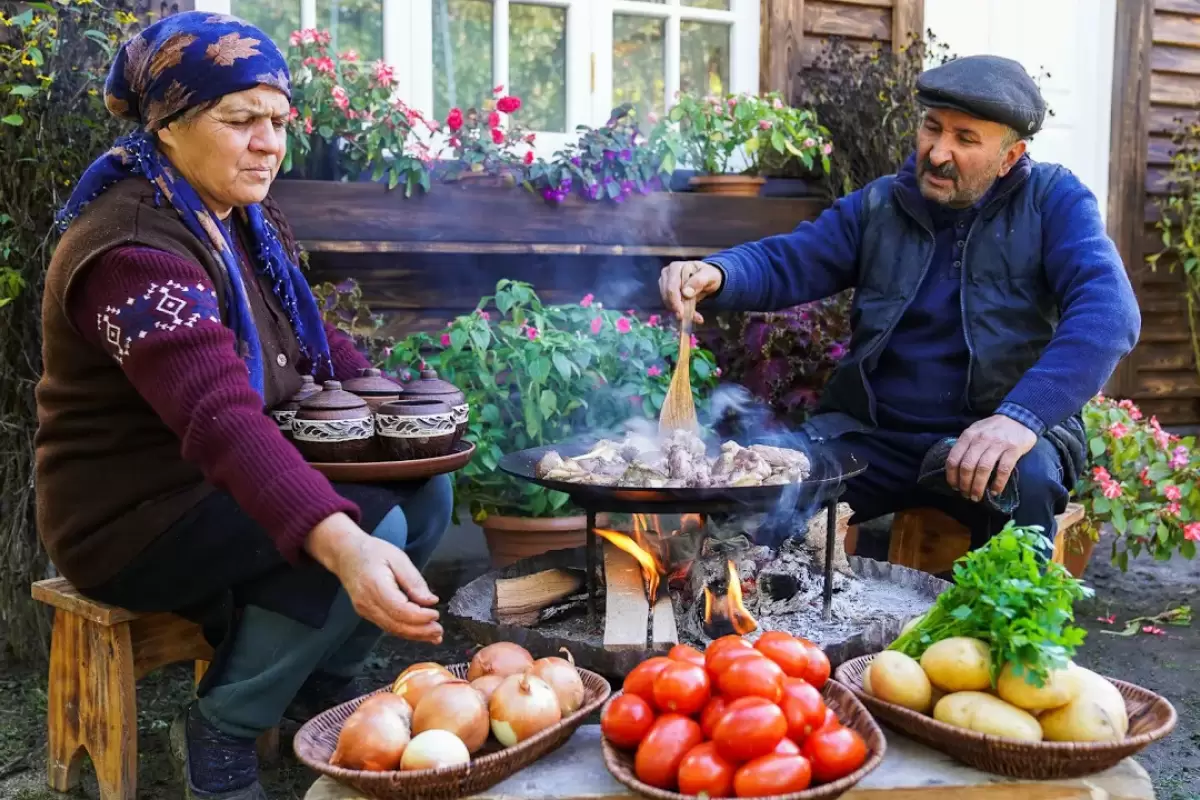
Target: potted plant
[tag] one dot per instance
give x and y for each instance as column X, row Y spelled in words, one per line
column 345, row 123
column 790, row 142
column 537, row 375
column 713, row 135
column 488, row 144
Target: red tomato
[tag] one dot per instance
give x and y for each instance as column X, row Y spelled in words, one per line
column 784, row 650
column 751, row 727
column 660, row 753
column 713, row 710
column 704, row 770
column 626, row 720
column 835, row 753
column 772, row 774
column 804, row 708
column 732, row 640
column 831, row 721
column 682, row 688
column 752, row 677
column 683, row 652
column 817, row 670
column 640, row 680
column 718, row 663
column 786, row 747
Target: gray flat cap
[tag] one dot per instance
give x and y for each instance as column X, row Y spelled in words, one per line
column 987, row 87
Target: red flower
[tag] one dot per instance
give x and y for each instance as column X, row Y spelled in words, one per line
column 293, row 112
column 530, row 137
column 308, row 126
column 494, row 120
column 509, row 104
column 497, row 136
column 498, row 89
column 529, row 158
column 454, row 120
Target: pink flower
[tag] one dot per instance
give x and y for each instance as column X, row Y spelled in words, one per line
column 530, row 138
column 1153, row 630
column 498, row 89
column 1191, row 531
column 1112, row 490
column 325, row 65
column 1118, row 430
column 1180, row 458
column 528, row 158
column 694, row 341
column 308, row 126
column 586, row 302
column 653, row 321
column 1162, row 439
column 597, row 324
column 350, row 55
column 445, row 340
column 494, row 119
column 623, row 325
column 717, row 372
column 651, row 117
column 454, row 120
column 497, row 136
column 1125, row 404
column 1145, row 477
column 764, row 124
column 1100, row 474
column 294, row 39
column 485, row 315
column 1172, row 509
column 810, row 143
column 323, row 37
column 827, row 149
column 837, row 350
column 654, row 371
column 1171, row 492
column 509, row 105
column 1109, row 620
column 732, row 102
column 384, row 74
column 532, row 333
column 776, row 104
column 308, row 36
column 293, row 112
column 340, row 98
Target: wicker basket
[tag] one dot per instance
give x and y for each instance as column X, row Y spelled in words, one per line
column 315, row 742
column 1151, row 718
column 841, row 700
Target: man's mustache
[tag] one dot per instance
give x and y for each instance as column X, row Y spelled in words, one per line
column 946, row 170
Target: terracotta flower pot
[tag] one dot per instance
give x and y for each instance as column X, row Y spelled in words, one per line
column 1077, row 549
column 510, row 539
column 730, row 185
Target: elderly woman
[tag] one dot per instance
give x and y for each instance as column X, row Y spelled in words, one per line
column 174, row 315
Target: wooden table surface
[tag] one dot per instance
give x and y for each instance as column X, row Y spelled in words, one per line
column 910, row 771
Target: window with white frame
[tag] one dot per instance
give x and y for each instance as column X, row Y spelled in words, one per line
column 570, row 61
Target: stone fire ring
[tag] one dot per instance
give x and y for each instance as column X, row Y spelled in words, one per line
column 472, row 606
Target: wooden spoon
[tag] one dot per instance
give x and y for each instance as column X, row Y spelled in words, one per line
column 678, row 409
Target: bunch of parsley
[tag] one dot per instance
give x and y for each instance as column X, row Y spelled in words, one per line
column 1004, row 595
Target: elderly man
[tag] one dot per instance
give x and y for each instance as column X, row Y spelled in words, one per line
column 989, row 307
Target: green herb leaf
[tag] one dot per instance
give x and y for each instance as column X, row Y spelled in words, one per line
column 13, row 119
column 23, row 90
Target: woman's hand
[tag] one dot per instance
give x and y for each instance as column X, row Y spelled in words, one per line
column 382, row 582
column 681, row 280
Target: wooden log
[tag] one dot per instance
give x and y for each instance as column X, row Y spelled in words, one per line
column 662, row 625
column 518, row 600
column 626, row 609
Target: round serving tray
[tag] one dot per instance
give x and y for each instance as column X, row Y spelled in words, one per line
column 413, row 470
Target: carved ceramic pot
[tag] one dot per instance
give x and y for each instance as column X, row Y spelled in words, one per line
column 430, row 387
column 333, row 426
column 410, row 429
column 284, row 413
column 372, row 386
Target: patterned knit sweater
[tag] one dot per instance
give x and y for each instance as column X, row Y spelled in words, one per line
column 181, row 359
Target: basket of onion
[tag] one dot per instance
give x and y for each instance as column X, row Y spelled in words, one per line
column 739, row 720
column 450, row 731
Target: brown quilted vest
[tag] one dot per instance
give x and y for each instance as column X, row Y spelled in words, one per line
column 110, row 476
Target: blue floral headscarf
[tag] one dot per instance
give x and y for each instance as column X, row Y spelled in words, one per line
column 173, row 65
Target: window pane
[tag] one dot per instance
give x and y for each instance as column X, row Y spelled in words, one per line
column 354, row 25
column 719, row 5
column 462, row 54
column 276, row 18
column 703, row 58
column 639, row 63
column 537, row 64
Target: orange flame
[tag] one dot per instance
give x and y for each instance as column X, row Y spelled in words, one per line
column 650, row 570
column 644, row 544
column 730, row 607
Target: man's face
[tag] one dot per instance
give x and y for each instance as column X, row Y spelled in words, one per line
column 959, row 157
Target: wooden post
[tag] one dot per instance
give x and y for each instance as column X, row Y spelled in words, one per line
column 908, row 21
column 781, row 31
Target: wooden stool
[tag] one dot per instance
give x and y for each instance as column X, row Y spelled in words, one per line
column 931, row 541
column 97, row 654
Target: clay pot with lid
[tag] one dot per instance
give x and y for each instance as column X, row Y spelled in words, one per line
column 284, row 413
column 333, row 426
column 430, row 387
column 415, row 428
column 371, row 385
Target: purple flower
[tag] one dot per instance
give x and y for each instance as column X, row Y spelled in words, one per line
column 619, row 198
column 609, row 155
column 626, row 154
column 608, row 178
column 626, row 187
column 593, row 191
column 575, row 160
column 565, row 184
column 837, row 350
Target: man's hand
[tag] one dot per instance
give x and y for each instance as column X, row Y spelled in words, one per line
column 998, row 443
column 688, row 279
column 382, row 582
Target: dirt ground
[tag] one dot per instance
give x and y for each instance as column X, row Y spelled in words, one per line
column 1165, row 663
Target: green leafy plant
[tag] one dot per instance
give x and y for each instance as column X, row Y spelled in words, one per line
column 535, row 374
column 1144, row 481
column 1003, row 595
column 789, row 140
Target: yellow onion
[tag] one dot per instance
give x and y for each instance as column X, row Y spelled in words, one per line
column 434, row 749
column 486, row 685
column 421, row 665
column 501, row 658
column 522, row 706
column 563, row 678
column 454, row 707
column 413, row 686
column 375, row 736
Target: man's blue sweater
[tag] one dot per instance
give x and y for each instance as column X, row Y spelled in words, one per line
column 1099, row 318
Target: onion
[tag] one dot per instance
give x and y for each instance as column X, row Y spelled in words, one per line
column 421, row 665
column 501, row 658
column 434, row 749
column 523, row 705
column 413, row 686
column 457, row 708
column 486, row 685
column 563, row 678
column 375, row 736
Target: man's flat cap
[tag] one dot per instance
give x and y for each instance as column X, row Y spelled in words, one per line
column 986, row 87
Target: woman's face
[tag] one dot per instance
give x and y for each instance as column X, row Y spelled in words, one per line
column 230, row 153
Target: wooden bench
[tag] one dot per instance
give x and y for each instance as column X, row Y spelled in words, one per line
column 97, row 654
column 931, row 541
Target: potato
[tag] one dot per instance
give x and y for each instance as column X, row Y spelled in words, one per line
column 1061, row 687
column 897, row 678
column 1097, row 714
column 959, row 664
column 983, row 713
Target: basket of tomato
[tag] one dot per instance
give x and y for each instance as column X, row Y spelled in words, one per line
column 739, row 720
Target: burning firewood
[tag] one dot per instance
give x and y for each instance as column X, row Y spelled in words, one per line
column 816, row 536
